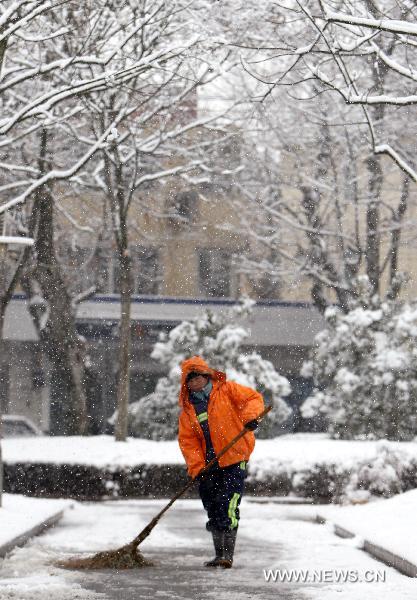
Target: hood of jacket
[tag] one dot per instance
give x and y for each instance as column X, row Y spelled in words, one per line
column 198, row 365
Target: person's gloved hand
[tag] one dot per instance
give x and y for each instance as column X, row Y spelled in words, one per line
column 252, row 425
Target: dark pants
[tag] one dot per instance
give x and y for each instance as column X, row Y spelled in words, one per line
column 221, row 492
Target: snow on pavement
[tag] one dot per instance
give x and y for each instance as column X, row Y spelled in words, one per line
column 311, row 547
column 271, row 536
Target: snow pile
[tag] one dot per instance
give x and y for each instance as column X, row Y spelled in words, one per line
column 388, row 523
column 28, row 572
column 20, row 514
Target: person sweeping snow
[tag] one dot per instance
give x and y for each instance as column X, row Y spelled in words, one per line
column 217, row 449
column 212, row 412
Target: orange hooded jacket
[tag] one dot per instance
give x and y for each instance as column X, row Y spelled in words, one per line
column 231, row 405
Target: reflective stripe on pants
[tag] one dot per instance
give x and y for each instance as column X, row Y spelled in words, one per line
column 221, row 492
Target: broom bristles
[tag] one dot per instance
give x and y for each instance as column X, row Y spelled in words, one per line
column 122, row 558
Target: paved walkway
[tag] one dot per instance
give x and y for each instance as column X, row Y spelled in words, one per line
column 271, row 536
column 179, row 572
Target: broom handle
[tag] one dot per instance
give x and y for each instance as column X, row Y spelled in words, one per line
column 146, row 531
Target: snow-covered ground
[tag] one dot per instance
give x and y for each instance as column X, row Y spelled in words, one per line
column 20, row 514
column 293, row 451
column 271, row 536
column 388, row 523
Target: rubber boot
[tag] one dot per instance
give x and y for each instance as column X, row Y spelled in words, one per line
column 218, row 542
column 229, row 548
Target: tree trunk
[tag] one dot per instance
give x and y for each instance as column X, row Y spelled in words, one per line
column 1, row 468
column 373, row 237
column 55, row 320
column 376, row 176
column 125, row 343
column 6, row 292
column 3, row 47
column 395, row 281
column 5, row 295
column 3, row 306
column 54, row 315
column 2, row 311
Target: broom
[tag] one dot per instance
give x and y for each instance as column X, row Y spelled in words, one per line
column 128, row 556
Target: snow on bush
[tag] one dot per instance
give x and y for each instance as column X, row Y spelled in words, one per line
column 151, row 417
column 385, row 474
column 308, row 465
column 218, row 339
column 323, row 482
column 364, row 367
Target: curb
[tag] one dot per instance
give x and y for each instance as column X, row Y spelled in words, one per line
column 292, row 500
column 21, row 539
column 386, row 556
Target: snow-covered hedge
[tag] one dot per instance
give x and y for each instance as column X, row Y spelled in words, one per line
column 88, row 482
column 306, row 465
column 387, row 473
column 364, row 367
column 384, row 474
column 320, row 482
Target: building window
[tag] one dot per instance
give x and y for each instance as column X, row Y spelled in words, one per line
column 115, row 275
column 215, row 269
column 103, row 272
column 266, row 286
column 146, row 271
column 182, row 207
column 4, row 388
column 78, row 266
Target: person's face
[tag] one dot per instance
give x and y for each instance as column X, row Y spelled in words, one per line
column 196, row 384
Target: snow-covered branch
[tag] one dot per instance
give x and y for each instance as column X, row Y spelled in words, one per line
column 401, row 162
column 389, row 25
column 56, row 174
column 373, row 70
